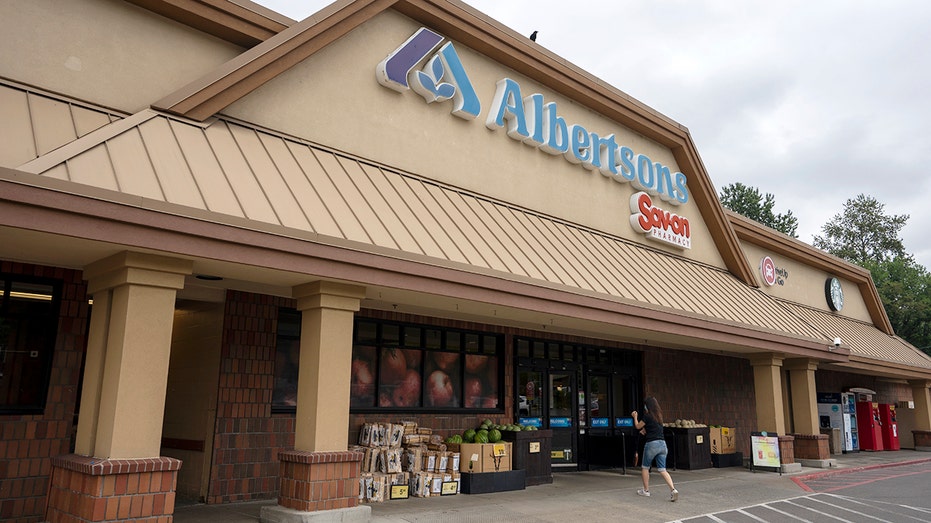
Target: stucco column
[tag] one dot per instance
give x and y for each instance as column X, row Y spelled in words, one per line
column 327, row 314
column 126, row 373
column 804, row 395
column 767, row 385
column 922, row 396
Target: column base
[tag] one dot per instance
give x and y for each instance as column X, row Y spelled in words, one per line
column 319, row 481
column 818, row 463
column 786, row 450
column 922, row 439
column 279, row 514
column 812, row 446
column 84, row 488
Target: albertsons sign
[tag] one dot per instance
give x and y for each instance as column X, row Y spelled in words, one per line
column 432, row 69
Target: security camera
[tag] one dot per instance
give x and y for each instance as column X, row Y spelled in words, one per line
column 837, row 342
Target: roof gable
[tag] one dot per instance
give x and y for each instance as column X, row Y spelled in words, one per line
column 218, row 89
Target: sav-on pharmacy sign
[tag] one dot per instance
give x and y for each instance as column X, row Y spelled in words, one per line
column 529, row 119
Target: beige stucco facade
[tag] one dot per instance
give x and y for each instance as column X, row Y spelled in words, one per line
column 345, row 108
column 806, row 284
column 72, row 45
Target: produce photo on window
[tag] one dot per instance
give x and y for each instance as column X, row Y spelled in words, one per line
column 481, row 382
column 286, row 369
column 362, row 377
column 442, row 384
column 399, row 381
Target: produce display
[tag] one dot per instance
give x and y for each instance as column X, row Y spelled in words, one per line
column 684, row 424
column 487, row 432
column 407, row 454
column 404, row 454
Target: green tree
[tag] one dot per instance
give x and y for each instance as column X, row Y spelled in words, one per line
column 905, row 289
column 863, row 232
column 749, row 202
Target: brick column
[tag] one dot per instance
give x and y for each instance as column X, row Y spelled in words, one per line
column 786, row 450
column 84, row 489
column 117, row 473
column 767, row 384
column 320, row 474
column 312, row 481
column 327, row 313
column 922, row 397
column 804, row 395
column 812, row 446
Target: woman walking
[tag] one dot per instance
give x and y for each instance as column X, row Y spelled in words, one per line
column 655, row 447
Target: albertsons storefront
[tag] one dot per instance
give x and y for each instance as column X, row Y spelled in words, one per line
column 233, row 241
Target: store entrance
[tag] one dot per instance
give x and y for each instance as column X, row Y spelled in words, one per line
column 547, row 399
column 562, row 407
column 584, row 395
column 606, row 436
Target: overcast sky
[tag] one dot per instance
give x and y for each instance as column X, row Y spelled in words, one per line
column 812, row 101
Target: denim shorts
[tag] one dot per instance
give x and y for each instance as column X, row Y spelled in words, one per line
column 655, row 450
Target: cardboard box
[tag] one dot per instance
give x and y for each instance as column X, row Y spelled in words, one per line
column 484, row 454
column 723, row 440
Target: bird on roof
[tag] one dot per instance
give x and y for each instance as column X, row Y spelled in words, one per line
column 533, row 36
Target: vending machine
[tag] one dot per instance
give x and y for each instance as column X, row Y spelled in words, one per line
column 870, row 427
column 890, row 429
column 849, row 418
column 831, row 418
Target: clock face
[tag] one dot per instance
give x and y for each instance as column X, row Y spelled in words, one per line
column 834, row 294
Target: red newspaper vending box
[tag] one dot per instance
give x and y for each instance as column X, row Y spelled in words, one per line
column 869, row 426
column 890, row 429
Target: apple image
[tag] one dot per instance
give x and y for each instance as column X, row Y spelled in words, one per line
column 407, row 394
column 393, row 366
column 384, row 398
column 491, row 370
column 473, row 392
column 444, row 360
column 490, row 401
column 439, row 389
column 413, row 358
column 362, row 381
column 475, row 364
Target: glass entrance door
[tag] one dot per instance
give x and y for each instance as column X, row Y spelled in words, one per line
column 563, row 402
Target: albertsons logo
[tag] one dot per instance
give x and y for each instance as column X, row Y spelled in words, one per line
column 529, row 119
column 442, row 77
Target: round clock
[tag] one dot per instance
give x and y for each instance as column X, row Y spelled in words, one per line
column 834, row 294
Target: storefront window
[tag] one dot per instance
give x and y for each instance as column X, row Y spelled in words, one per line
column 288, row 350
column 402, row 366
column 28, row 326
column 432, row 369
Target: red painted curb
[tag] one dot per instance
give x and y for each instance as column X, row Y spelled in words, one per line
column 799, row 480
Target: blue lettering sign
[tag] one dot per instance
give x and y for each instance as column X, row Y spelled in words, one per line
column 561, row 423
column 529, row 119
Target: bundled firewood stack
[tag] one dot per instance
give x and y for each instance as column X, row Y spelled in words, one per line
column 404, row 454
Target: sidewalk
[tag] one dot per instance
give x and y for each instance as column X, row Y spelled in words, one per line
column 606, row 495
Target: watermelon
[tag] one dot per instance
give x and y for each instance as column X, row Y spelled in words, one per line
column 468, row 436
column 494, row 436
column 481, row 437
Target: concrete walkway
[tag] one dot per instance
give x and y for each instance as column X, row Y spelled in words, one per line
column 606, row 495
